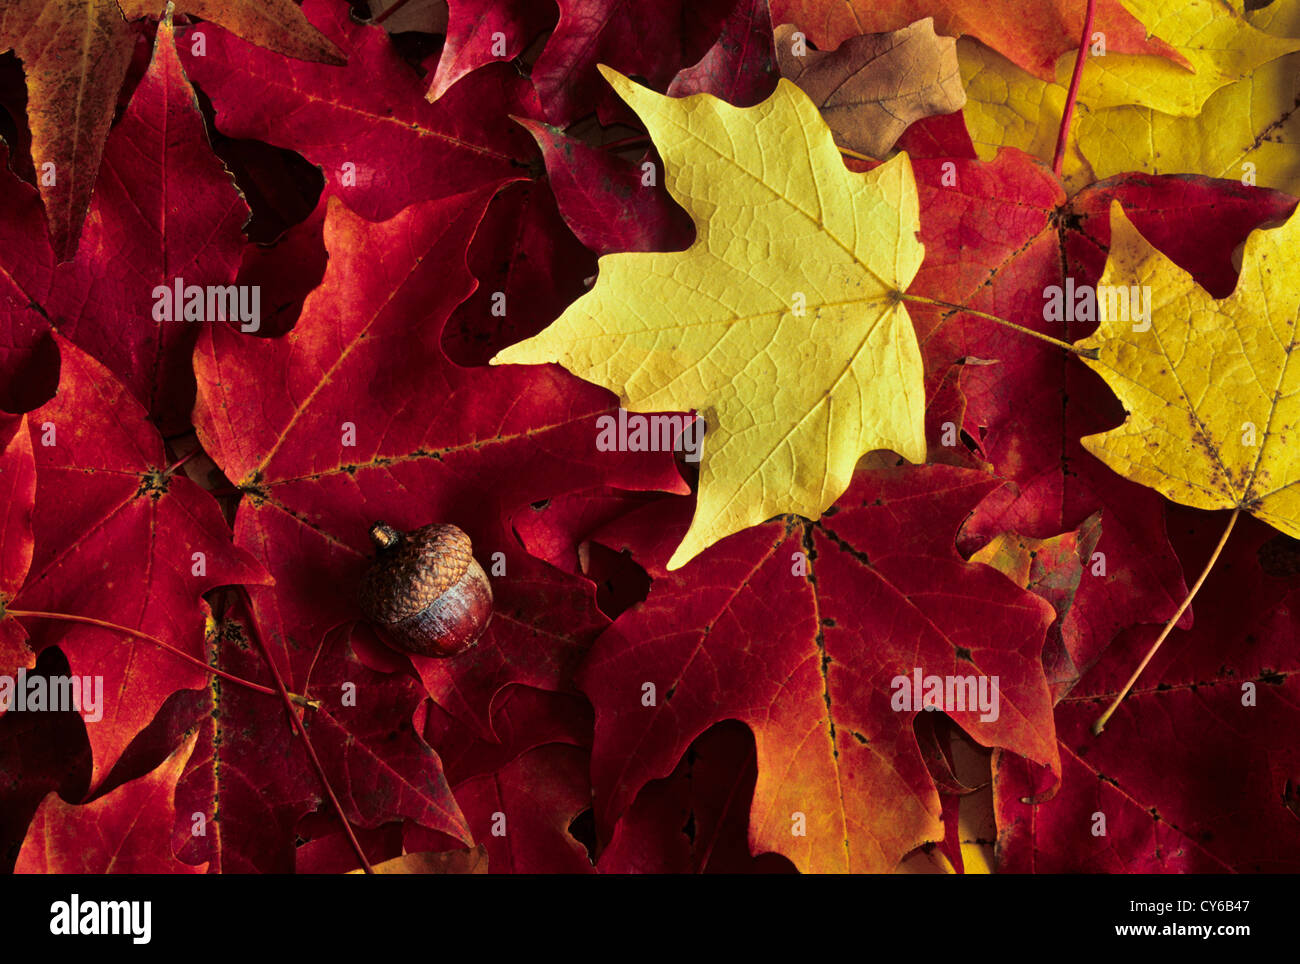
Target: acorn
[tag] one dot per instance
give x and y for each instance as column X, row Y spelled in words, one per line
column 426, row 590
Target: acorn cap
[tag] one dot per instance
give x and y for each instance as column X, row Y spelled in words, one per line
column 413, row 569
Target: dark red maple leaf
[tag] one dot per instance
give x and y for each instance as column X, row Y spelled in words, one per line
column 29, row 368
column 480, row 32
column 696, row 820
column 521, row 813
column 741, row 66
column 1192, row 773
column 125, row 832
column 529, row 268
column 380, row 145
column 362, row 417
column 614, row 33
column 39, row 753
column 608, row 201
column 253, row 782
column 523, row 719
column 17, row 495
column 120, row 538
column 164, row 210
column 806, row 657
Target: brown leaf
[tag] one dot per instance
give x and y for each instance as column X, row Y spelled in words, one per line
column 870, row 88
column 401, row 16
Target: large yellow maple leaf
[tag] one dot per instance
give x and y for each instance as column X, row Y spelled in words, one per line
column 782, row 324
column 1211, row 390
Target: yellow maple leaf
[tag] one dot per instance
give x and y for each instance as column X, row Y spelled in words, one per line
column 1213, row 400
column 782, row 324
column 1145, row 113
column 1249, row 129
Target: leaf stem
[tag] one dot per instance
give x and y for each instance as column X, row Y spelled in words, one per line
column 1214, row 557
column 256, row 632
column 1083, row 352
column 181, row 654
column 171, row 469
column 390, row 11
column 636, row 140
column 855, row 155
column 1067, row 115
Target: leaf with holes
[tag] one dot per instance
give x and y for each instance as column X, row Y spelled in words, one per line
column 119, row 538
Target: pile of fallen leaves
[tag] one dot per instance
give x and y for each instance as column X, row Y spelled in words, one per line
column 962, row 331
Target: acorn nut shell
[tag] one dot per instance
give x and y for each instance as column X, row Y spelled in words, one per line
column 425, row 589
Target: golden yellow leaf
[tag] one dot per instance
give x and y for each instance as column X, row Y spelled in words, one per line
column 781, row 324
column 1249, row 129
column 1213, row 400
column 1146, row 113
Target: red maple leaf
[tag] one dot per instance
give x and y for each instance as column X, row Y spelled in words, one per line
column 997, row 236
column 118, row 537
column 1190, row 776
column 798, row 630
column 360, row 416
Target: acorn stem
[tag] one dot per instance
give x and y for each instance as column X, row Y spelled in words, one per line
column 384, row 536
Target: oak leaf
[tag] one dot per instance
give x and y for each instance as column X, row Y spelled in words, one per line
column 870, row 88
column 782, row 323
